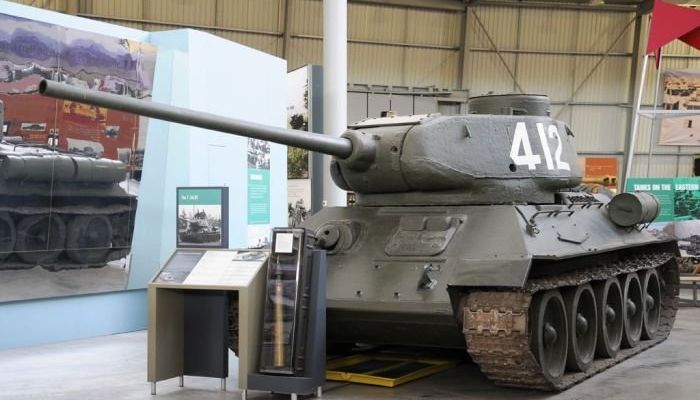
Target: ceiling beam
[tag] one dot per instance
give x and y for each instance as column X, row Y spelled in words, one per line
column 439, row 5
column 565, row 5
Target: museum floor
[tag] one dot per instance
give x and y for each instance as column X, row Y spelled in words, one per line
column 114, row 367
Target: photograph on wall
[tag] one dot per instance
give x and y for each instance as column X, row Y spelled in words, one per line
column 298, row 118
column 298, row 200
column 69, row 198
column 681, row 93
column 258, row 193
column 600, row 174
column 202, row 217
column 298, row 178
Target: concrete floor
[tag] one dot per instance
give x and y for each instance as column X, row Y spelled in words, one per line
column 114, row 367
column 32, row 283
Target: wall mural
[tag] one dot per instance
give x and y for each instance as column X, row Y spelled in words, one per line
column 70, row 172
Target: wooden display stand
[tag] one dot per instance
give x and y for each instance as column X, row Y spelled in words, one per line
column 188, row 314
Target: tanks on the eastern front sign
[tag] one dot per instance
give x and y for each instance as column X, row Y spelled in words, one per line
column 61, row 210
column 467, row 233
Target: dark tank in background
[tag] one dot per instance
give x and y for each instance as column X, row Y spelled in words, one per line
column 61, row 210
column 469, row 233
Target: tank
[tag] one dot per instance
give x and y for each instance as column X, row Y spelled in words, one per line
column 197, row 229
column 692, row 247
column 467, row 233
column 61, row 210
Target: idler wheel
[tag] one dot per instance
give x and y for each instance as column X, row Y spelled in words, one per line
column 40, row 238
column 608, row 296
column 8, row 235
column 651, row 290
column 89, row 239
column 550, row 333
column 582, row 315
column 633, row 315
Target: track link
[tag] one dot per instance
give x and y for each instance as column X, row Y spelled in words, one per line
column 498, row 334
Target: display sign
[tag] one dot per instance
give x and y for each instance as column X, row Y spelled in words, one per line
column 681, row 92
column 258, row 193
column 226, row 268
column 202, row 217
column 680, row 210
column 679, row 198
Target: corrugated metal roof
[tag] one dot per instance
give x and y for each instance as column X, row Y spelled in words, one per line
column 417, row 47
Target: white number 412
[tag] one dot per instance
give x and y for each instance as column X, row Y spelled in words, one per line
column 521, row 140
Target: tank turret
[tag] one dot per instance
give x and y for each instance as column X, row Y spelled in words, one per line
column 525, row 157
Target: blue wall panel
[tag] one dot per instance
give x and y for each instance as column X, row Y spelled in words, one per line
column 193, row 70
column 26, row 323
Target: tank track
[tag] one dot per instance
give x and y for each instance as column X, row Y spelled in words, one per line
column 497, row 331
column 118, row 214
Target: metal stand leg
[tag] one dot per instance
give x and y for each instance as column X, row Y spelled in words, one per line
column 182, row 381
column 294, row 396
column 244, row 394
column 319, row 392
column 153, row 388
column 223, row 384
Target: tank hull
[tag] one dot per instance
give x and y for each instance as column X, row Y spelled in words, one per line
column 62, row 211
column 406, row 275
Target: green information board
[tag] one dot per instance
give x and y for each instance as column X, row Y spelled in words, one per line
column 202, row 217
column 258, row 196
column 679, row 198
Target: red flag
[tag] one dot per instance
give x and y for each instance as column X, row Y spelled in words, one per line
column 670, row 22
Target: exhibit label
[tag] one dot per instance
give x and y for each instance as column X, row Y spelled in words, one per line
column 679, row 198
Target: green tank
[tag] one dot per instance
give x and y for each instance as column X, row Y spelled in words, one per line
column 468, row 233
column 61, row 210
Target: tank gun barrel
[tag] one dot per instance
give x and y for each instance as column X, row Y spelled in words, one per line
column 339, row 147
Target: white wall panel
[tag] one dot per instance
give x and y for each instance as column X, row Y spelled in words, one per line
column 546, row 74
column 599, row 128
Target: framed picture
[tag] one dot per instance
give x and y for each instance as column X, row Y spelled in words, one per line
column 202, row 217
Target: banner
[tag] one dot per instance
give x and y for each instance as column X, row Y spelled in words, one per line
column 680, row 210
column 681, row 92
column 258, row 193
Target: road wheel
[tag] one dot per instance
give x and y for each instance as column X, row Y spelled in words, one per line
column 651, row 291
column 89, row 239
column 608, row 297
column 633, row 310
column 550, row 336
column 582, row 315
column 40, row 238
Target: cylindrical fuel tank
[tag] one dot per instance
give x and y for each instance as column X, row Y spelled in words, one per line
column 630, row 209
column 61, row 168
column 510, row 104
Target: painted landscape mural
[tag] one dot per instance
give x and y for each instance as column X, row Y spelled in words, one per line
column 71, row 172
